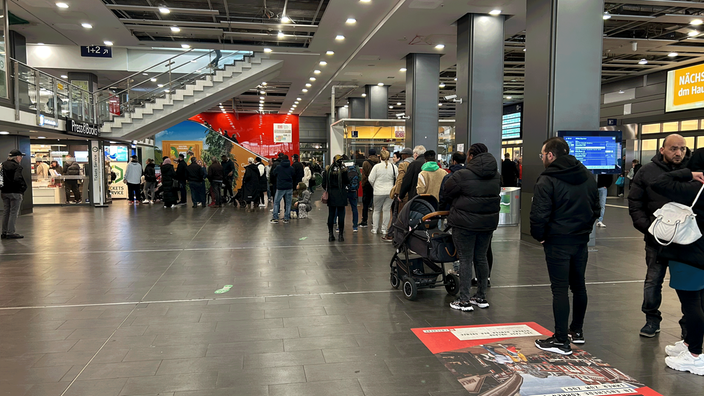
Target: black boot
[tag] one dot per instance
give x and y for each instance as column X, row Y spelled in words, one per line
column 331, row 238
column 340, row 237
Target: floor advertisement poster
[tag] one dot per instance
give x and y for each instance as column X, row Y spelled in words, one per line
column 502, row 360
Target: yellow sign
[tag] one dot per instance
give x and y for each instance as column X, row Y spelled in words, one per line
column 685, row 88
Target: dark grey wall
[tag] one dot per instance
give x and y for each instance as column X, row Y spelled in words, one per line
column 313, row 129
column 8, row 143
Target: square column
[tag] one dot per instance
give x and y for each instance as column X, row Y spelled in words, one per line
column 563, row 79
column 357, row 107
column 480, row 75
column 422, row 76
column 377, row 102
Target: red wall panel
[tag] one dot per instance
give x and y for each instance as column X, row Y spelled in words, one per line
column 255, row 131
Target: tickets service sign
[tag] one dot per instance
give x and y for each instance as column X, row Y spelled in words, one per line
column 685, row 89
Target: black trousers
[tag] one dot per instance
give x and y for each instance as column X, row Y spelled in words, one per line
column 227, row 184
column 72, row 186
column 133, row 192
column 693, row 310
column 566, row 267
column 339, row 212
column 367, row 199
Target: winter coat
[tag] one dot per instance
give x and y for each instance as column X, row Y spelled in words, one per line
column 74, row 169
column 133, row 174
column 402, row 167
column 250, row 181
column 284, row 174
column 383, row 177
column 182, row 171
column 444, row 202
column 215, row 173
column 410, row 179
column 604, row 181
column 367, row 167
column 195, row 173
column 227, row 167
column 335, row 181
column 678, row 186
column 474, row 193
column 42, row 171
column 509, row 173
column 430, row 179
column 272, row 176
column 642, row 200
column 565, row 203
column 13, row 181
column 150, row 173
column 298, row 172
column 262, row 177
column 306, row 176
column 168, row 175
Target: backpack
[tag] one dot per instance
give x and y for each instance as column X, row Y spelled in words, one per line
column 353, row 175
column 73, row 169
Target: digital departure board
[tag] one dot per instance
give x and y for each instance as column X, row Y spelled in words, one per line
column 511, row 126
column 598, row 151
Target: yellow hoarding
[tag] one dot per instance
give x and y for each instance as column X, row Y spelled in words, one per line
column 685, row 89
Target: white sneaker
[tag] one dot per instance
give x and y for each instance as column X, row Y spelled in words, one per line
column 145, row 201
column 151, row 202
column 675, row 350
column 373, row 230
column 600, row 224
column 686, row 362
column 262, row 206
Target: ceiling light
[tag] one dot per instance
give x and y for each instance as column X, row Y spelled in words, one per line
column 364, row 95
column 696, row 22
column 643, row 62
column 164, row 10
column 398, row 104
column 381, row 84
column 261, row 98
column 280, row 35
column 346, row 106
column 4, row 133
column 323, row 63
column 693, row 33
column 455, row 78
column 365, row 1
column 296, row 102
column 40, row 43
column 441, row 85
column 304, row 90
column 339, row 37
column 167, row 90
column 87, row 25
column 607, row 15
column 621, row 91
column 264, row 83
column 64, row 76
column 403, row 69
column 439, row 104
column 160, row 85
column 175, row 29
column 509, row 97
column 316, row 71
column 261, row 101
column 153, row 79
column 262, row 92
column 391, row 107
column 108, row 43
column 495, row 12
column 312, row 78
column 330, row 53
column 185, row 46
column 351, row 21
column 41, row 137
column 145, row 74
column 62, row 5
column 299, row 99
column 440, row 46
column 672, row 54
column 285, row 19
column 267, row 50
column 309, row 85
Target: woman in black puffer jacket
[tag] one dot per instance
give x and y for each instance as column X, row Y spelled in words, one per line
column 474, row 215
column 335, row 181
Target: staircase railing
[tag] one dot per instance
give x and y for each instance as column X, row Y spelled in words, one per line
column 161, row 80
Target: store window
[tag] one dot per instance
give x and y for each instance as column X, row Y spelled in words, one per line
column 690, row 142
column 652, row 128
column 689, row 125
column 671, row 126
column 58, row 173
column 700, row 141
column 649, row 149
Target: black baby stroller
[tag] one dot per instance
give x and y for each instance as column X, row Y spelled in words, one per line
column 420, row 247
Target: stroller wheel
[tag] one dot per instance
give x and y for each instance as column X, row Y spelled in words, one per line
column 452, row 284
column 410, row 290
column 395, row 282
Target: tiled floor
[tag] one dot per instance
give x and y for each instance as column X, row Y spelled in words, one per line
column 120, row 301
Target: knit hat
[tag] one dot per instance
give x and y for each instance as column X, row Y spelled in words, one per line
column 167, row 161
column 478, row 148
column 372, row 151
column 407, row 151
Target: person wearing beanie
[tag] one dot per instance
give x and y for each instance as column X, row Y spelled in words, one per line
column 367, row 189
column 169, row 182
column 431, row 176
column 410, row 180
column 474, row 193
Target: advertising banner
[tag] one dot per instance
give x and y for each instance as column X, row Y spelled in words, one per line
column 685, row 88
column 283, row 133
column 118, row 188
column 502, row 360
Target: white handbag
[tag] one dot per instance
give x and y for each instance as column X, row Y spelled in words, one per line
column 676, row 223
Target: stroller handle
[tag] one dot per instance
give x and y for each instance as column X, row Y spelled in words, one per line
column 435, row 214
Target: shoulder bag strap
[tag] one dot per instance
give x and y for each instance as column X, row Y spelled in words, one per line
column 697, row 198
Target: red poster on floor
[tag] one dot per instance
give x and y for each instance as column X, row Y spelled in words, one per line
column 502, row 360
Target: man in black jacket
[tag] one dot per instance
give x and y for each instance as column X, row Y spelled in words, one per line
column 228, row 170
column 410, row 179
column 195, row 174
column 565, row 206
column 298, row 171
column 474, row 215
column 457, row 164
column 182, row 177
column 642, row 203
column 284, row 174
column 509, row 172
column 13, row 190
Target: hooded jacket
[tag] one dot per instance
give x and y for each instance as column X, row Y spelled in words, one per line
column 410, row 179
column 133, row 174
column 444, row 202
column 430, row 179
column 181, row 170
column 250, row 181
column 335, row 182
column 150, row 173
column 474, row 193
column 227, row 167
column 13, row 181
column 367, row 167
column 643, row 201
column 565, row 203
column 298, row 172
column 382, row 177
column 284, row 174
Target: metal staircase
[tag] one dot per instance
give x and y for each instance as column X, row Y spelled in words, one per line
column 191, row 84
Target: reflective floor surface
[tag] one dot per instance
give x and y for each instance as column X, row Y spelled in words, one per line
column 121, row 301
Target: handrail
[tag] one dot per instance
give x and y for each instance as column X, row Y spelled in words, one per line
column 150, row 67
column 49, row 75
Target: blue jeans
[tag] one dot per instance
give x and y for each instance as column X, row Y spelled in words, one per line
column 602, row 202
column 287, row 195
column 352, row 197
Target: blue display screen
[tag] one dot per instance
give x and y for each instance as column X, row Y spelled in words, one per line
column 511, row 126
column 596, row 153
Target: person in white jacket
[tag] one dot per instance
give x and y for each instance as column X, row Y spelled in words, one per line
column 382, row 178
column 307, row 174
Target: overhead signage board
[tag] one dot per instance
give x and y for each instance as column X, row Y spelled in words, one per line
column 283, row 133
column 685, row 89
column 49, row 122
column 96, row 51
column 81, row 128
column 512, row 122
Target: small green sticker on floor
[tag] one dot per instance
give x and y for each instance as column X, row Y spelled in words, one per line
column 225, row 289
column 302, row 239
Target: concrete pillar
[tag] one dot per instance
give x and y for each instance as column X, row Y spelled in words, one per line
column 422, row 79
column 357, row 109
column 84, row 80
column 377, row 103
column 18, row 47
column 563, row 79
column 342, row 113
column 480, row 66
column 98, row 182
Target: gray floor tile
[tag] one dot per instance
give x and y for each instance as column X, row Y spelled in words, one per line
column 343, row 387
